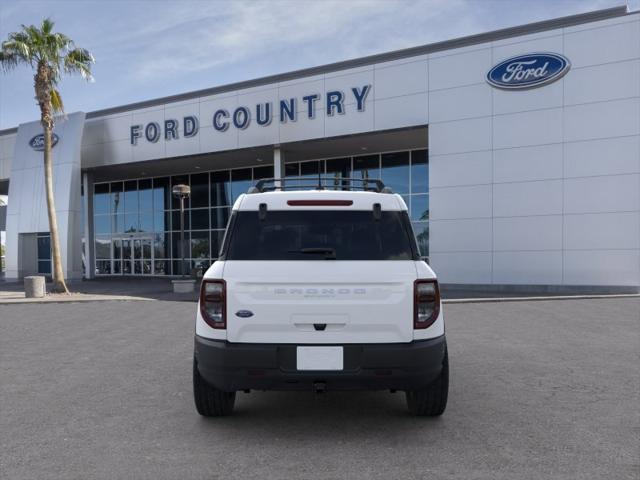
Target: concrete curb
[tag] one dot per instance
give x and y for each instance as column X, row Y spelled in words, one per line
column 536, row 299
column 74, row 299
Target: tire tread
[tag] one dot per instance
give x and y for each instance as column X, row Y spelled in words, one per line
column 211, row 402
column 432, row 401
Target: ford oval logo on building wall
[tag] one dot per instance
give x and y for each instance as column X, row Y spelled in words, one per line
column 528, row 71
column 37, row 142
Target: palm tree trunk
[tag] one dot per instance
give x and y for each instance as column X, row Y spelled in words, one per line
column 42, row 86
column 59, row 284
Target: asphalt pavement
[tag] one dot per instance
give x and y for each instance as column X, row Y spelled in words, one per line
column 541, row 389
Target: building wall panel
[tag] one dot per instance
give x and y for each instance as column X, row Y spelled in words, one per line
column 599, row 83
column 541, row 162
column 471, row 168
column 602, row 231
column 467, row 235
column 596, row 46
column 515, row 199
column 533, row 232
column 602, row 267
column 616, row 118
column 462, row 267
column 528, row 268
column 535, row 127
column 398, row 112
column 460, row 136
column 608, row 193
column 459, row 103
column 458, row 69
column 607, row 156
column 460, row 202
column 399, row 80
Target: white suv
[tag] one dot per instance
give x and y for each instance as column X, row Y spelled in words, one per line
column 320, row 290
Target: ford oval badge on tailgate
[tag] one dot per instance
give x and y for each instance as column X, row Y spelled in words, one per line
column 244, row 313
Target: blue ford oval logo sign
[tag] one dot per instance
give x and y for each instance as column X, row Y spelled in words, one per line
column 37, row 142
column 528, row 71
column 244, row 313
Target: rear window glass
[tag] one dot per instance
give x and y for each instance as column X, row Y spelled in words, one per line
column 320, row 235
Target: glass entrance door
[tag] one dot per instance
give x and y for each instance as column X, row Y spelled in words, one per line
column 142, row 260
column 133, row 256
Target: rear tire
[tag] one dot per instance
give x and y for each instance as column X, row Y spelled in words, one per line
column 432, row 401
column 211, row 402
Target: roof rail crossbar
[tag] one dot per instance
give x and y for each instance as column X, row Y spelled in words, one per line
column 319, row 183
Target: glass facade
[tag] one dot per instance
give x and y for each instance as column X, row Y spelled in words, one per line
column 137, row 222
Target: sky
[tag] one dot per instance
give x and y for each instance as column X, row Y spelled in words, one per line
column 146, row 49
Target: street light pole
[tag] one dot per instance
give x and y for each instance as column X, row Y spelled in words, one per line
column 182, row 236
column 181, row 192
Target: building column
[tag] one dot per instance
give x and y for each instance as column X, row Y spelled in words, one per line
column 87, row 212
column 278, row 164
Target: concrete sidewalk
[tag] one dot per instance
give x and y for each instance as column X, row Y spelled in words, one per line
column 19, row 297
column 103, row 289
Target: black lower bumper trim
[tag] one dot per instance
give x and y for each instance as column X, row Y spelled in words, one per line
column 396, row 366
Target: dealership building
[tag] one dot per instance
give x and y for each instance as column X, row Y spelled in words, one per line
column 517, row 152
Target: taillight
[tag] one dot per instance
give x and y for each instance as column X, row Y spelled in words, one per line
column 213, row 303
column 426, row 303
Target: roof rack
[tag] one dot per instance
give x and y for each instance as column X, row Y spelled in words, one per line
column 319, row 183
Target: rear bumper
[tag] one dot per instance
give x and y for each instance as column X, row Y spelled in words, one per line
column 396, row 366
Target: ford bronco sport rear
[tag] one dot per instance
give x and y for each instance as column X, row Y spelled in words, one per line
column 320, row 290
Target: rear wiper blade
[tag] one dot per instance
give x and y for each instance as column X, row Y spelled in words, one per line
column 330, row 253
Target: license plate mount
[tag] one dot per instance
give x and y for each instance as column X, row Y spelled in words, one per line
column 320, row 358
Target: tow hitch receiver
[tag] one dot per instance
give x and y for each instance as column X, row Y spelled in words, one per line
column 319, row 387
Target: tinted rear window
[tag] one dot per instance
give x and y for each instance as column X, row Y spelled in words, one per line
column 320, row 235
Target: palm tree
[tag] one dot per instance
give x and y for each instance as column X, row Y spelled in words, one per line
column 50, row 55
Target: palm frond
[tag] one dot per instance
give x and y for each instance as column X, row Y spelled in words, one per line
column 33, row 37
column 56, row 101
column 47, row 26
column 20, row 46
column 56, row 46
column 8, row 60
column 79, row 60
column 62, row 42
column 21, row 38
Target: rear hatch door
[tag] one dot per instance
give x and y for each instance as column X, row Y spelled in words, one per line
column 319, row 301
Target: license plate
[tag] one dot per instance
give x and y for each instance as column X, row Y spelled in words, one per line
column 320, row 358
